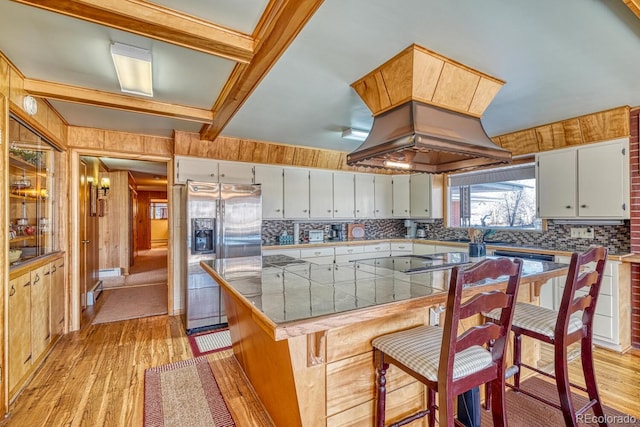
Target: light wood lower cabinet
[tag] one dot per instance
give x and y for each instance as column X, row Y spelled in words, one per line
column 19, row 330
column 35, row 310
column 57, row 298
column 40, row 310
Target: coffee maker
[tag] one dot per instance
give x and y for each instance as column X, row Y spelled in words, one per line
column 336, row 232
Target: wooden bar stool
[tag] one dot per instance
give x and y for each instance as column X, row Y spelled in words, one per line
column 450, row 364
column 571, row 323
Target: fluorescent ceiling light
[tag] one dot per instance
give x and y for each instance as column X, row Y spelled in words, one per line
column 133, row 67
column 355, row 134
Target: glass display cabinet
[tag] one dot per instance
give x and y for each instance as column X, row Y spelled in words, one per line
column 31, row 194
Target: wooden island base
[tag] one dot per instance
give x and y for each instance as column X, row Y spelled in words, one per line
column 326, row 377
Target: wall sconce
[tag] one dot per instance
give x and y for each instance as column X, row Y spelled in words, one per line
column 105, row 184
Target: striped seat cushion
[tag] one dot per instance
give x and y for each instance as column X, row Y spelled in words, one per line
column 419, row 350
column 538, row 319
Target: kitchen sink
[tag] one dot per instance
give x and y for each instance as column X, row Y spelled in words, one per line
column 456, row 240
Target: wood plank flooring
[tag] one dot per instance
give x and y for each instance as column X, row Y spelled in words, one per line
column 95, row 377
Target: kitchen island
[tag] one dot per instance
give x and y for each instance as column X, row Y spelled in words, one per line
column 302, row 331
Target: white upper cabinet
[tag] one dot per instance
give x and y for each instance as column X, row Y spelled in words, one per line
column 420, row 195
column 556, row 183
column 271, row 180
column 383, row 199
column 296, row 193
column 343, row 195
column 195, row 169
column 235, row 172
column 364, row 195
column 603, row 180
column 401, row 196
column 591, row 181
column 321, row 194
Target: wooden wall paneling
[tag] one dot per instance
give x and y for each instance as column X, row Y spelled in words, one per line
column 182, row 141
column 4, row 226
column 281, row 154
column 86, row 138
column 143, row 240
column 128, row 142
column 590, row 128
column 605, row 125
column 4, row 76
column 16, row 87
column 305, row 157
column 114, row 225
column 519, row 142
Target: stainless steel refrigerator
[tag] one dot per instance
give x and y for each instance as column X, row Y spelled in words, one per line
column 222, row 221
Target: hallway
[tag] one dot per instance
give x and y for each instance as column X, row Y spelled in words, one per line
column 142, row 293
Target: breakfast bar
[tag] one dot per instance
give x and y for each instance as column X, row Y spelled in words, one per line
column 302, row 332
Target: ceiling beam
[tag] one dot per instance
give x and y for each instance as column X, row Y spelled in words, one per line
column 279, row 25
column 157, row 22
column 634, row 5
column 80, row 95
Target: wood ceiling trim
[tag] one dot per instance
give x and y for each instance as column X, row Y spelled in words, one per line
column 280, row 24
column 156, row 22
column 634, row 5
column 63, row 92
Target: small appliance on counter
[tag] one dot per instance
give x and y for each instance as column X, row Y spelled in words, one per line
column 421, row 233
column 336, row 232
column 314, row 236
column 411, row 228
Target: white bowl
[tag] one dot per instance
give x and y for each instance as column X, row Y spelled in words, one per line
column 14, row 255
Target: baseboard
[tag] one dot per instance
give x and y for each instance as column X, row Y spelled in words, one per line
column 109, row 272
column 94, row 293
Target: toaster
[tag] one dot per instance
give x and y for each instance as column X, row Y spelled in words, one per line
column 315, row 235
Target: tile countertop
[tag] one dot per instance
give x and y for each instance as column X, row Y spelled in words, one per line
column 288, row 290
column 627, row 257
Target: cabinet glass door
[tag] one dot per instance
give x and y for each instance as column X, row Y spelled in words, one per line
column 31, row 194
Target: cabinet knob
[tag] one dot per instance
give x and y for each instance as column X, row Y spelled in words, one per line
column 277, row 210
column 329, row 210
column 336, row 210
column 583, row 206
column 568, row 206
column 304, row 210
column 12, row 291
column 37, row 279
column 377, row 210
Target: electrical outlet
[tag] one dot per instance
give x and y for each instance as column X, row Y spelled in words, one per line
column 582, row 233
column 434, row 315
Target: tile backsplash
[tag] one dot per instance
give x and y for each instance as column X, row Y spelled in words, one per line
column 557, row 236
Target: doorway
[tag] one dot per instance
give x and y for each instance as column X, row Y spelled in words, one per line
column 131, row 277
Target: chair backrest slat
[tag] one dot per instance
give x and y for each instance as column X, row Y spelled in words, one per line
column 497, row 332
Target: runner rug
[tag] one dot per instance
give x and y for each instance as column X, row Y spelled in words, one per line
column 184, row 394
column 524, row 411
column 210, row 342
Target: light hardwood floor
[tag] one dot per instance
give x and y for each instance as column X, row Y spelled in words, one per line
column 95, row 377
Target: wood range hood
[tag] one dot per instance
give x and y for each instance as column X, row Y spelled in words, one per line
column 427, row 111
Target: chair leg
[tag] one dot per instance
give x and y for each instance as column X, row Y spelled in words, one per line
column 445, row 408
column 517, row 359
column 487, row 386
column 381, row 389
column 590, row 379
column 562, row 383
column 431, row 405
column 499, row 407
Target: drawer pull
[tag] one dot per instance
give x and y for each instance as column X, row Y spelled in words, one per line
column 317, row 253
column 37, row 279
column 53, row 269
column 12, row 292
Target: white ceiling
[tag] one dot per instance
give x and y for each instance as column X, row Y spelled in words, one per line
column 559, row 59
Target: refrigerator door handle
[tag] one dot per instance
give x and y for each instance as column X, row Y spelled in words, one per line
column 220, row 206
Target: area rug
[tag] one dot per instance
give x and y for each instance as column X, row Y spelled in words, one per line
column 132, row 303
column 172, row 399
column 524, row 411
column 210, row 342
